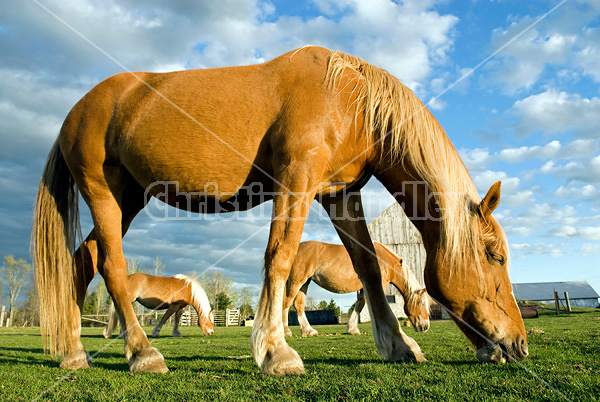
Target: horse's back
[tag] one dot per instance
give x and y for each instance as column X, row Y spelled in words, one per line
column 164, row 126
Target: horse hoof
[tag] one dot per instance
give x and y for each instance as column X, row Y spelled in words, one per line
column 288, row 334
column 283, row 361
column 354, row 332
column 310, row 333
column 77, row 360
column 178, row 335
column 150, row 360
column 408, row 356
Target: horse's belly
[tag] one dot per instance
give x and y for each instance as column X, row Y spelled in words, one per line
column 338, row 281
column 153, row 303
column 192, row 173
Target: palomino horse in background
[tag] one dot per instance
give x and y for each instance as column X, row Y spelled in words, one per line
column 172, row 293
column 330, row 267
column 309, row 124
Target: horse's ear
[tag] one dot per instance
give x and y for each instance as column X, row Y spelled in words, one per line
column 490, row 201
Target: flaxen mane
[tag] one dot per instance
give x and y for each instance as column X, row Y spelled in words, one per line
column 396, row 115
column 199, row 299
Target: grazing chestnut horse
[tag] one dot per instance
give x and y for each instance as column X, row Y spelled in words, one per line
column 329, row 266
column 172, row 293
column 312, row 123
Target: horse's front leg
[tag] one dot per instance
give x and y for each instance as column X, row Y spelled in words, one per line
column 269, row 348
column 347, row 216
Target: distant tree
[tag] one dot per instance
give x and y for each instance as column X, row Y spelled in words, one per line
column 101, row 297
column 223, row 302
column 310, row 303
column 158, row 266
column 215, row 283
column 15, row 271
column 133, row 266
column 31, row 308
column 322, row 305
column 334, row 307
column 246, row 304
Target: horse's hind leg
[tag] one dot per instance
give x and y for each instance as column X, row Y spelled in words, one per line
column 113, row 203
column 392, row 343
column 291, row 291
column 85, row 269
column 300, row 304
column 156, row 331
column 176, row 332
column 354, row 317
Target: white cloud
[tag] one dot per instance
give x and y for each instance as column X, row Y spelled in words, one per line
column 589, row 232
column 588, row 248
column 588, row 58
column 511, row 194
column 523, row 61
column 557, row 112
column 436, row 104
column 586, row 171
column 572, row 192
column 552, row 250
column 566, row 38
column 475, row 159
column 549, row 150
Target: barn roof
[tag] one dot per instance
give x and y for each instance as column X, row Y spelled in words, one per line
column 545, row 290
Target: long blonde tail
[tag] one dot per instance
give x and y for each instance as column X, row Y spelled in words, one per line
column 113, row 320
column 53, row 242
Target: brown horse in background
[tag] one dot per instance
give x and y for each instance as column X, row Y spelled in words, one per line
column 172, row 293
column 309, row 124
column 330, row 267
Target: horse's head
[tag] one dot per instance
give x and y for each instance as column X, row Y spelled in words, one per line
column 206, row 323
column 478, row 293
column 416, row 307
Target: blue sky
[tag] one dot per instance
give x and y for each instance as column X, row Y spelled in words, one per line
column 527, row 116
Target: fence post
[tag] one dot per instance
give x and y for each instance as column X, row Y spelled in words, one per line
column 2, row 316
column 556, row 302
column 227, row 317
column 568, row 302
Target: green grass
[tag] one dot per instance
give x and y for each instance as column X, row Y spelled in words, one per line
column 565, row 356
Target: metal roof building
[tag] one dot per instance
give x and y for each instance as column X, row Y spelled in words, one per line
column 581, row 294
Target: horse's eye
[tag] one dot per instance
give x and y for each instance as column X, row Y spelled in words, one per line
column 498, row 258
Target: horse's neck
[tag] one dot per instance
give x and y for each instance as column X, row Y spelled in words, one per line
column 400, row 276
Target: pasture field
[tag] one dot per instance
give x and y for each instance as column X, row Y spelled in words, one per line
column 564, row 361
